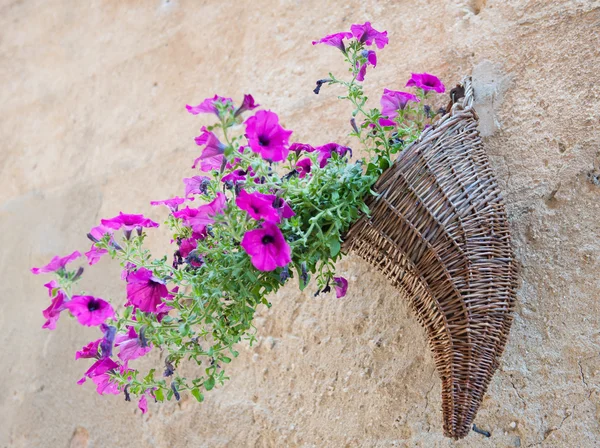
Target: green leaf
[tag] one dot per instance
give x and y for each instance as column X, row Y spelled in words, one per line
column 209, row 383
column 197, row 395
column 159, row 395
column 225, row 359
column 334, row 246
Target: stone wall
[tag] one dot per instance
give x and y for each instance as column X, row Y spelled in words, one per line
column 92, row 122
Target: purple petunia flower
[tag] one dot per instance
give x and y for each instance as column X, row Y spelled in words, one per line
column 299, row 147
column 335, row 40
column 196, row 185
column 213, row 152
column 130, row 346
column 283, row 209
column 202, row 216
column 208, row 106
column 128, row 222
column 143, row 404
column 236, row 176
column 426, row 81
column 392, row 101
column 98, row 232
column 341, row 286
column 266, row 136
column 99, row 374
column 267, row 247
column 247, row 104
column 94, row 254
column 367, row 34
column 325, row 152
column 187, row 245
column 371, row 60
column 89, row 351
column 52, row 313
column 57, row 263
column 303, row 167
column 90, row 311
column 172, row 203
column 145, row 291
column 258, row 205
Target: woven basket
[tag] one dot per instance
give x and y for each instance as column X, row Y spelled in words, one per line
column 438, row 230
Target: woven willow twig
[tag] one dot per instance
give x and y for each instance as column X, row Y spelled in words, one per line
column 438, row 230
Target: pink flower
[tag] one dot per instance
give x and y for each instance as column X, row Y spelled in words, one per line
column 341, row 286
column 392, row 101
column 235, row 177
column 172, row 203
column 57, row 263
column 267, row 247
column 303, row 167
column 145, row 291
column 367, row 34
column 247, row 104
column 99, row 374
column 131, row 346
column 208, row 106
column 143, row 404
column 266, row 137
column 371, row 60
column 386, row 122
column 325, row 152
column 52, row 313
column 94, row 254
column 199, row 218
column 213, row 152
column 299, row 147
column 258, row 205
column 90, row 311
column 98, row 232
column 128, row 222
column 283, row 209
column 187, row 245
column 196, row 185
column 89, row 351
column 335, row 40
column 426, row 81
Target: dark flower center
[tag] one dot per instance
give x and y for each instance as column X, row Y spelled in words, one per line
column 267, row 239
column 255, row 208
column 263, row 140
column 93, row 305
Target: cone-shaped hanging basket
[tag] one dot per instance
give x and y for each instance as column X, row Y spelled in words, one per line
column 438, row 230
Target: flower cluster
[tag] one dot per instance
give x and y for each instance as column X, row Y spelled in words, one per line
column 264, row 209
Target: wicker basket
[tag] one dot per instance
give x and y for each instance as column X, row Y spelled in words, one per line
column 438, row 230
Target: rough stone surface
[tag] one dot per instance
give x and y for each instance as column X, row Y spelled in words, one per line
column 92, row 122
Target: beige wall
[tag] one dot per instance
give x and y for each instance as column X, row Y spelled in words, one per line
column 92, row 121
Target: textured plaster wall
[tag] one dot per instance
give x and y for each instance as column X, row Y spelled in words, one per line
column 92, row 122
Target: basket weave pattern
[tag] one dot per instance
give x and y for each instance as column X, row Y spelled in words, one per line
column 438, row 230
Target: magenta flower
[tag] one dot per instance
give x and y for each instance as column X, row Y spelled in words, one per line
column 303, row 167
column 172, row 203
column 196, row 185
column 202, row 216
column 208, row 106
column 426, row 81
column 341, row 286
column 128, row 222
column 266, row 137
column 52, row 313
column 145, row 291
column 89, row 351
column 247, row 104
column 98, row 232
column 131, row 346
column 94, row 254
column 143, row 404
column 325, row 152
column 283, row 209
column 335, row 40
column 187, row 245
column 52, row 287
column 299, row 147
column 99, row 374
column 57, row 263
column 387, row 122
column 236, row 176
column 258, row 205
column 367, row 34
column 371, row 60
column 392, row 101
column 267, row 247
column 213, row 152
column 90, row 311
